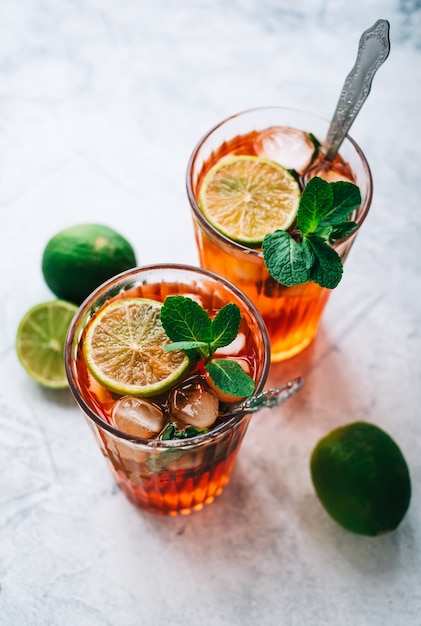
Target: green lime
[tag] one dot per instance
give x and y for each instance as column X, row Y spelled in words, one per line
column 247, row 197
column 40, row 342
column 361, row 478
column 124, row 349
column 80, row 258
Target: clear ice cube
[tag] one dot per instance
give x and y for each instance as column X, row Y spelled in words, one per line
column 330, row 172
column 194, row 404
column 290, row 147
column 137, row 417
column 234, row 347
column 195, row 297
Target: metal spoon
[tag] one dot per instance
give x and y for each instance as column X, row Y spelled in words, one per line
column 268, row 399
column 373, row 50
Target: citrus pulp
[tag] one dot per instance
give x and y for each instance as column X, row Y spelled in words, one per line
column 40, row 342
column 124, row 349
column 247, row 197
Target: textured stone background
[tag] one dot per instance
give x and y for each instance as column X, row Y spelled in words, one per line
column 101, row 104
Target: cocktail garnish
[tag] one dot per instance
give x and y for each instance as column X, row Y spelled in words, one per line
column 124, row 349
column 304, row 254
column 173, row 432
column 192, row 330
column 245, row 197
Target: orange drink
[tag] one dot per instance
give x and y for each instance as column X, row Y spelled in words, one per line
column 162, row 474
column 290, row 138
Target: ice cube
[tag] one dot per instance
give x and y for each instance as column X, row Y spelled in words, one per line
column 330, row 172
column 138, row 417
column 290, row 147
column 234, row 347
column 194, row 404
column 195, row 297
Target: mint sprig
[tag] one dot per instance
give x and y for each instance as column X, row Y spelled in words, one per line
column 192, row 330
column 306, row 254
column 172, row 431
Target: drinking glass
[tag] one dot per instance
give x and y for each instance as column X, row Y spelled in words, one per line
column 292, row 314
column 178, row 476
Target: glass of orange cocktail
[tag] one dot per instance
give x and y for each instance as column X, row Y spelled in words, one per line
column 292, row 138
column 166, row 475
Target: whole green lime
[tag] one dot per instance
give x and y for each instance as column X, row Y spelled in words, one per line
column 78, row 259
column 361, row 478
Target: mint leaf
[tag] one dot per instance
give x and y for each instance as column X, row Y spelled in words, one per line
column 331, row 233
column 169, row 431
column 286, row 259
column 230, row 377
column 186, row 345
column 346, row 198
column 316, row 143
column 316, row 202
column 173, row 432
column 184, row 319
column 341, row 230
column 327, row 268
column 225, row 326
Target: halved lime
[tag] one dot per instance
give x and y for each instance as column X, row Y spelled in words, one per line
column 247, row 197
column 40, row 342
column 124, row 349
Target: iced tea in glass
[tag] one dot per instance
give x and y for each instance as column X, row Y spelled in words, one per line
column 289, row 137
column 175, row 476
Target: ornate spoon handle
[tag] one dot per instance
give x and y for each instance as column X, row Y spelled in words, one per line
column 373, row 50
column 269, row 399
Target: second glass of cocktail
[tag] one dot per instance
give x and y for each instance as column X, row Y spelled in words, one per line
column 293, row 139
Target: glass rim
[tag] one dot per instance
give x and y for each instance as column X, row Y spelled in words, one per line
column 257, row 251
column 93, row 298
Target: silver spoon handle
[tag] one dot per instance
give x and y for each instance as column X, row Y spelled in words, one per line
column 268, row 399
column 373, row 50
column 271, row 398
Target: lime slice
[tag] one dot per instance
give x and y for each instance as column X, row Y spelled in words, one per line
column 124, row 349
column 40, row 342
column 246, row 198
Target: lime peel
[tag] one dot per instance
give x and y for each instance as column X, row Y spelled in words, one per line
column 361, row 478
column 78, row 259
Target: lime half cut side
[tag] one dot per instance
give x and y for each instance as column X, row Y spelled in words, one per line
column 40, row 342
column 124, row 349
column 247, row 197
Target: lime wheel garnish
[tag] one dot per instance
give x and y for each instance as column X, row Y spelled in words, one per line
column 124, row 349
column 247, row 197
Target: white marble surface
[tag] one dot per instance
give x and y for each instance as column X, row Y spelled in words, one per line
column 101, row 103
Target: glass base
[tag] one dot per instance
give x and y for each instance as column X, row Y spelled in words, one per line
column 159, row 509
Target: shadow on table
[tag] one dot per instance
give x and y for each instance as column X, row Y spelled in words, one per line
column 269, row 513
